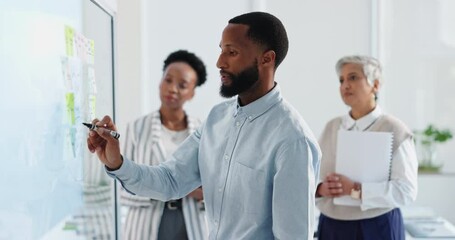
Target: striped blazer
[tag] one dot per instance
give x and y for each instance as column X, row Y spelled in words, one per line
column 143, row 145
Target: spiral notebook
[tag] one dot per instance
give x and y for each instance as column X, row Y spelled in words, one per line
column 363, row 157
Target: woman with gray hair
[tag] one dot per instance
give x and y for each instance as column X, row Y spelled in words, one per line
column 378, row 216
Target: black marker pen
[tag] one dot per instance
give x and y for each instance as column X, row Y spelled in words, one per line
column 114, row 134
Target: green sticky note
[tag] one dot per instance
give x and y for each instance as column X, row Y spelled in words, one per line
column 70, row 226
column 69, row 39
column 70, row 108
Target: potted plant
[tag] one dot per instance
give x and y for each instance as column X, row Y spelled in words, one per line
column 429, row 139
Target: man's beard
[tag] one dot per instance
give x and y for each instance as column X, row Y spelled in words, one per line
column 240, row 82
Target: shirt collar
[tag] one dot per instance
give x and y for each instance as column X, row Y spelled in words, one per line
column 261, row 105
column 362, row 123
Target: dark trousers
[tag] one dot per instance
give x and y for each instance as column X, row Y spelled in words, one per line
column 172, row 225
column 388, row 226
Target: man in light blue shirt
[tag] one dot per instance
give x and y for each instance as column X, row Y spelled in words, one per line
column 255, row 157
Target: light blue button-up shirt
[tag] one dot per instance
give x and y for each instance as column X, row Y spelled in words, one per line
column 257, row 165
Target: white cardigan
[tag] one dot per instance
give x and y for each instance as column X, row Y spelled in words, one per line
column 143, row 145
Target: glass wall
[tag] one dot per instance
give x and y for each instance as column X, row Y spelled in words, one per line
column 56, row 68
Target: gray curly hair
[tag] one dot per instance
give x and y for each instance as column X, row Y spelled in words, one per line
column 371, row 67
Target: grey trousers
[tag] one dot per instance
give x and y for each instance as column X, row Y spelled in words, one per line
column 172, row 226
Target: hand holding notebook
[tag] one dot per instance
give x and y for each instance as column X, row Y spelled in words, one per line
column 363, row 157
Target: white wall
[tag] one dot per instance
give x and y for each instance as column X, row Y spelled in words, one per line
column 128, row 62
column 148, row 31
column 418, row 56
column 194, row 28
column 320, row 32
column 318, row 37
column 419, row 66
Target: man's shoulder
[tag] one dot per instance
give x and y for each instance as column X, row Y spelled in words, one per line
column 289, row 113
column 292, row 121
column 223, row 107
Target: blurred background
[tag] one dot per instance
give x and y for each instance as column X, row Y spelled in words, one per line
column 52, row 185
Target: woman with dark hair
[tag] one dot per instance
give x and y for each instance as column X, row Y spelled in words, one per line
column 150, row 140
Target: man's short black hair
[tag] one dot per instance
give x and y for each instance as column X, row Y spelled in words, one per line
column 192, row 60
column 266, row 30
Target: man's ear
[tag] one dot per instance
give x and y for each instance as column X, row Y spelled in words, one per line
column 268, row 58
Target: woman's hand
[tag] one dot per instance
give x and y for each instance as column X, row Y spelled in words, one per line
column 335, row 185
column 197, row 194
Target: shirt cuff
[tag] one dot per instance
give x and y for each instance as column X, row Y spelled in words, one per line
column 123, row 171
column 373, row 195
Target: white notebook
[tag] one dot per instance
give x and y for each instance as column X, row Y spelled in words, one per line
column 363, row 157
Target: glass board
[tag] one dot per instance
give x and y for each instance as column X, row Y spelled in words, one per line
column 56, row 71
